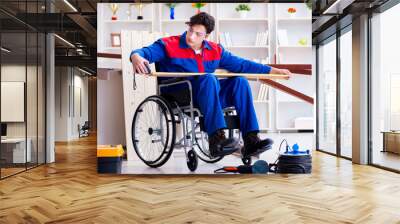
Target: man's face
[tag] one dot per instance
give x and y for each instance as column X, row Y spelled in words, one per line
column 195, row 35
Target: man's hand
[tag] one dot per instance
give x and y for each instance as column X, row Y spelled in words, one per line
column 138, row 63
column 280, row 72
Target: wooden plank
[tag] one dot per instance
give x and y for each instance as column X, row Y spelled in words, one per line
column 249, row 76
column 108, row 55
column 288, row 90
column 302, row 69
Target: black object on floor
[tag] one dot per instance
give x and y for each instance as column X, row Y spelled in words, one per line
column 109, row 164
column 109, row 158
column 292, row 161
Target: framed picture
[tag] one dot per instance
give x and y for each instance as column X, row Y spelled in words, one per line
column 115, row 39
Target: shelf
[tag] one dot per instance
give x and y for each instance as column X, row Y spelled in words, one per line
column 295, row 46
column 290, row 101
column 293, row 129
column 299, row 19
column 247, row 47
column 243, row 20
column 129, row 21
column 174, row 20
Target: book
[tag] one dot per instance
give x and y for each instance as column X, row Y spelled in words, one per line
column 266, row 87
column 264, row 92
column 265, row 61
column 282, row 38
column 264, row 39
column 258, row 39
column 228, row 39
column 280, row 58
column 222, row 39
column 260, row 92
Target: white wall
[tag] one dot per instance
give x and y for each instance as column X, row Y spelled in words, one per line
column 15, row 72
column 67, row 115
column 110, row 110
column 61, row 103
column 33, row 126
column 79, row 115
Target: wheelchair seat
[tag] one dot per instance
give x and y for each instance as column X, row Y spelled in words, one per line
column 182, row 98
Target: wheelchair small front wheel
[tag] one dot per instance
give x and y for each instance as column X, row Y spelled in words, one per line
column 192, row 160
column 153, row 131
column 246, row 161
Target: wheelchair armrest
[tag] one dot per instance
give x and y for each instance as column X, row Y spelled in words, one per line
column 176, row 82
column 171, row 81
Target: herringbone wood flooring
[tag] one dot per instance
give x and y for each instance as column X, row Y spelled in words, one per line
column 70, row 191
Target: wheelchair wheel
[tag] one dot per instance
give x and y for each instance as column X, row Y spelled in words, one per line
column 202, row 149
column 192, row 160
column 153, row 131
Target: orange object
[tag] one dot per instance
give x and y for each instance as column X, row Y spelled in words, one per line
column 231, row 169
column 291, row 10
column 110, row 151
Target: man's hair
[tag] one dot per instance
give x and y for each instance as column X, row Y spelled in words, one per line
column 204, row 19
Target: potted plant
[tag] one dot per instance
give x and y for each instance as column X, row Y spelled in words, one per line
column 292, row 11
column 198, row 6
column 243, row 9
column 309, row 4
column 171, row 7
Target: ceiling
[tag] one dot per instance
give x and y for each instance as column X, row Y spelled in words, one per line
column 77, row 26
column 331, row 15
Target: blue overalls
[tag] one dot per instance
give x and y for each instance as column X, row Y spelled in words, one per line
column 210, row 94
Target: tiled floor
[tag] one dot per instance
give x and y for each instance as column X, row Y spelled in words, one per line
column 177, row 163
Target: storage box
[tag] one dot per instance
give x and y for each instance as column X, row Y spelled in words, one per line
column 304, row 123
column 109, row 158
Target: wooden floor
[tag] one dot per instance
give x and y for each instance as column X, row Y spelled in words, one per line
column 70, row 191
column 10, row 171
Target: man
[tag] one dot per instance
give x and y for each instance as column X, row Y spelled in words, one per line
column 191, row 52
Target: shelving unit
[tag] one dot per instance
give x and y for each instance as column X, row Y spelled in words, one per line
column 183, row 12
column 243, row 20
column 278, row 111
column 246, row 47
column 106, row 26
column 289, row 108
column 243, row 32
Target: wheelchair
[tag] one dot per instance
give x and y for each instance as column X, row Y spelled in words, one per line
column 154, row 127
